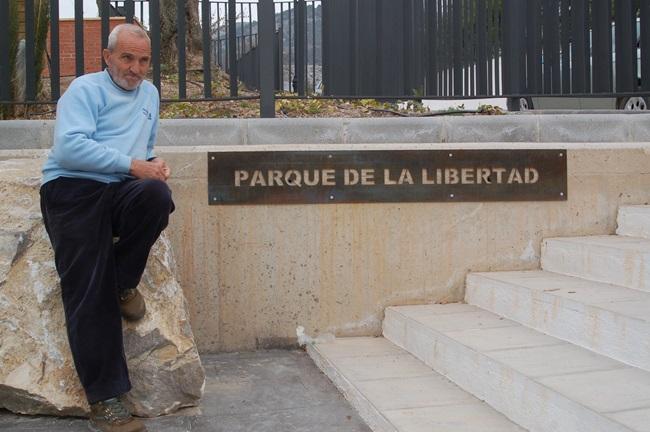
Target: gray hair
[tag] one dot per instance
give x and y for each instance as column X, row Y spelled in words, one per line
column 130, row 28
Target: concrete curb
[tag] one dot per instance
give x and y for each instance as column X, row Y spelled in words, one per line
column 605, row 127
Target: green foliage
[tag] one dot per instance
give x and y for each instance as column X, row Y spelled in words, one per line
column 373, row 104
column 299, row 107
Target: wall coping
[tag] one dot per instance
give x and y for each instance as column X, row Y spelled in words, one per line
column 529, row 128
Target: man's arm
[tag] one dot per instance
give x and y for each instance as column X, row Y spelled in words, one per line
column 154, row 167
column 74, row 148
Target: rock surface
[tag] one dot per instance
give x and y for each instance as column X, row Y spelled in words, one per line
column 37, row 375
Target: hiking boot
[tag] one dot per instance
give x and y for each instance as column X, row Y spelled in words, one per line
column 132, row 304
column 111, row 415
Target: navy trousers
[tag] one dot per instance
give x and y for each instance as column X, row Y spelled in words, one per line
column 82, row 217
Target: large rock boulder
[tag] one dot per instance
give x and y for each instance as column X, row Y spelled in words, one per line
column 37, row 375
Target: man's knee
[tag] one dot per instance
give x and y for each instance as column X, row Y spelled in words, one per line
column 157, row 194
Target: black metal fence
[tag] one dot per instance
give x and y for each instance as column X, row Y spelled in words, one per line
column 381, row 48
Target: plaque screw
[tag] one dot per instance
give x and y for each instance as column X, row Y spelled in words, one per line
column 212, row 157
column 451, row 155
column 451, row 195
column 561, row 193
column 214, row 198
column 561, row 154
column 329, row 156
column 331, row 197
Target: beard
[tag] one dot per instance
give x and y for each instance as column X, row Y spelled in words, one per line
column 131, row 83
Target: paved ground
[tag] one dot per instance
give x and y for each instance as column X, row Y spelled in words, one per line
column 267, row 391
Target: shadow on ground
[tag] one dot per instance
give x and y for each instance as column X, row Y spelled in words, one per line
column 264, row 391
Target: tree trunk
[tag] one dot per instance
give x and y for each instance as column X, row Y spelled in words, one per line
column 168, row 30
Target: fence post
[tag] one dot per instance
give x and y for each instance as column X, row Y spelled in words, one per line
column 645, row 45
column 266, row 30
column 300, row 45
column 79, row 37
column 206, row 18
column 154, row 24
column 104, row 13
column 129, row 9
column 513, row 34
column 232, row 47
column 55, row 70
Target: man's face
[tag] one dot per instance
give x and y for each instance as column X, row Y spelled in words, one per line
column 129, row 61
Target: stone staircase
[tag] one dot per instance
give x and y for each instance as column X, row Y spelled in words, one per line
column 563, row 349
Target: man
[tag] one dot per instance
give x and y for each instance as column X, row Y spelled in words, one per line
column 105, row 201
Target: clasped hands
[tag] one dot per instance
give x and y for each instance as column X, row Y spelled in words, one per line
column 154, row 169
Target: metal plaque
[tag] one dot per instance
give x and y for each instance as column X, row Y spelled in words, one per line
column 318, row 177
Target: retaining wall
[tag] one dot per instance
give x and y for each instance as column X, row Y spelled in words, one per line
column 253, row 274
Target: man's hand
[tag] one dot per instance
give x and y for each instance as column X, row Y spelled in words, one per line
column 155, row 169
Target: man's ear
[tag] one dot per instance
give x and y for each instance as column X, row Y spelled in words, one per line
column 106, row 54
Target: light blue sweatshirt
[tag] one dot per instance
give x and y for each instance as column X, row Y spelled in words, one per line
column 100, row 128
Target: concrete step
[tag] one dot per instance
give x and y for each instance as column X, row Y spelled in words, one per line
column 617, row 260
column 393, row 391
column 611, row 320
column 634, row 221
column 540, row 382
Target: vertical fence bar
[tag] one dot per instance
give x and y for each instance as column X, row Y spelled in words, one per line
column 265, row 30
column 430, row 40
column 625, row 40
column 509, row 51
column 55, row 69
column 551, row 47
column 379, row 58
column 232, row 46
column 290, row 14
column 218, row 44
column 227, row 38
column 447, row 47
column 105, row 26
column 601, row 46
column 533, row 47
column 299, row 16
column 457, row 47
column 481, row 35
column 154, row 27
column 313, row 42
column 79, row 37
column 325, row 36
column 180, row 46
column 443, row 42
column 352, row 58
column 471, row 48
column 407, row 47
column 498, row 51
column 129, row 10
column 206, row 18
column 5, row 68
column 644, row 17
column 250, row 26
column 467, row 37
column 490, row 87
column 579, row 49
column 565, row 25
column 242, row 38
column 280, row 30
column 30, row 72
